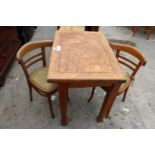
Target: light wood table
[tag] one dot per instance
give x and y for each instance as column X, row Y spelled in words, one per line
column 83, row 59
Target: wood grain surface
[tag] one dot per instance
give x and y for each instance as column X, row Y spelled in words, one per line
column 83, row 56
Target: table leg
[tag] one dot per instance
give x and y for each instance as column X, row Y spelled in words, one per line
column 108, row 101
column 63, row 91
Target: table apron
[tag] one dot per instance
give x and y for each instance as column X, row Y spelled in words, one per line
column 89, row 84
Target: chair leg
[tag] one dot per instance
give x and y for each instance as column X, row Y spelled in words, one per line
column 134, row 29
column 125, row 93
column 30, row 92
column 92, row 94
column 50, row 106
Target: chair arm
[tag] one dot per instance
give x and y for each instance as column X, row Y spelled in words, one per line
column 129, row 49
column 26, row 48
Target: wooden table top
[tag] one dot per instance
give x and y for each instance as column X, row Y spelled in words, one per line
column 82, row 56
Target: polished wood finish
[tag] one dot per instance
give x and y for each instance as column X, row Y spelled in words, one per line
column 26, row 64
column 84, row 56
column 11, row 38
column 121, row 50
column 84, row 59
column 9, row 44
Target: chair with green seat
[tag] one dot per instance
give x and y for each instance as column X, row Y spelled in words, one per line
column 130, row 59
column 36, row 78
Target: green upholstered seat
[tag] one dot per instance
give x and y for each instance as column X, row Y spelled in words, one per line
column 39, row 78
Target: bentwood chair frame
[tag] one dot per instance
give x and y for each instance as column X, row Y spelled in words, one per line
column 134, row 67
column 27, row 48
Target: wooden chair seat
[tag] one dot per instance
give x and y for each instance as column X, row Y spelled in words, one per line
column 36, row 79
column 39, row 78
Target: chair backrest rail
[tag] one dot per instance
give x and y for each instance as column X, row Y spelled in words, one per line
column 40, row 54
column 43, row 55
column 122, row 59
column 126, row 65
column 27, row 66
column 127, row 60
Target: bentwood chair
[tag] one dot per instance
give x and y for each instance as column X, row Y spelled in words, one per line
column 130, row 60
column 36, row 78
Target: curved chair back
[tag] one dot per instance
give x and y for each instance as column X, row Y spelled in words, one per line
column 126, row 61
column 39, row 84
column 29, row 47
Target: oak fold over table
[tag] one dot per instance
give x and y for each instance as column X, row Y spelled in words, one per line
column 83, row 59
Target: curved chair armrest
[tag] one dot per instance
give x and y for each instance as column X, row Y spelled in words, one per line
column 129, row 49
column 31, row 46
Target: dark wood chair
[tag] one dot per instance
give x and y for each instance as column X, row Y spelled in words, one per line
column 148, row 29
column 130, row 60
column 36, row 78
